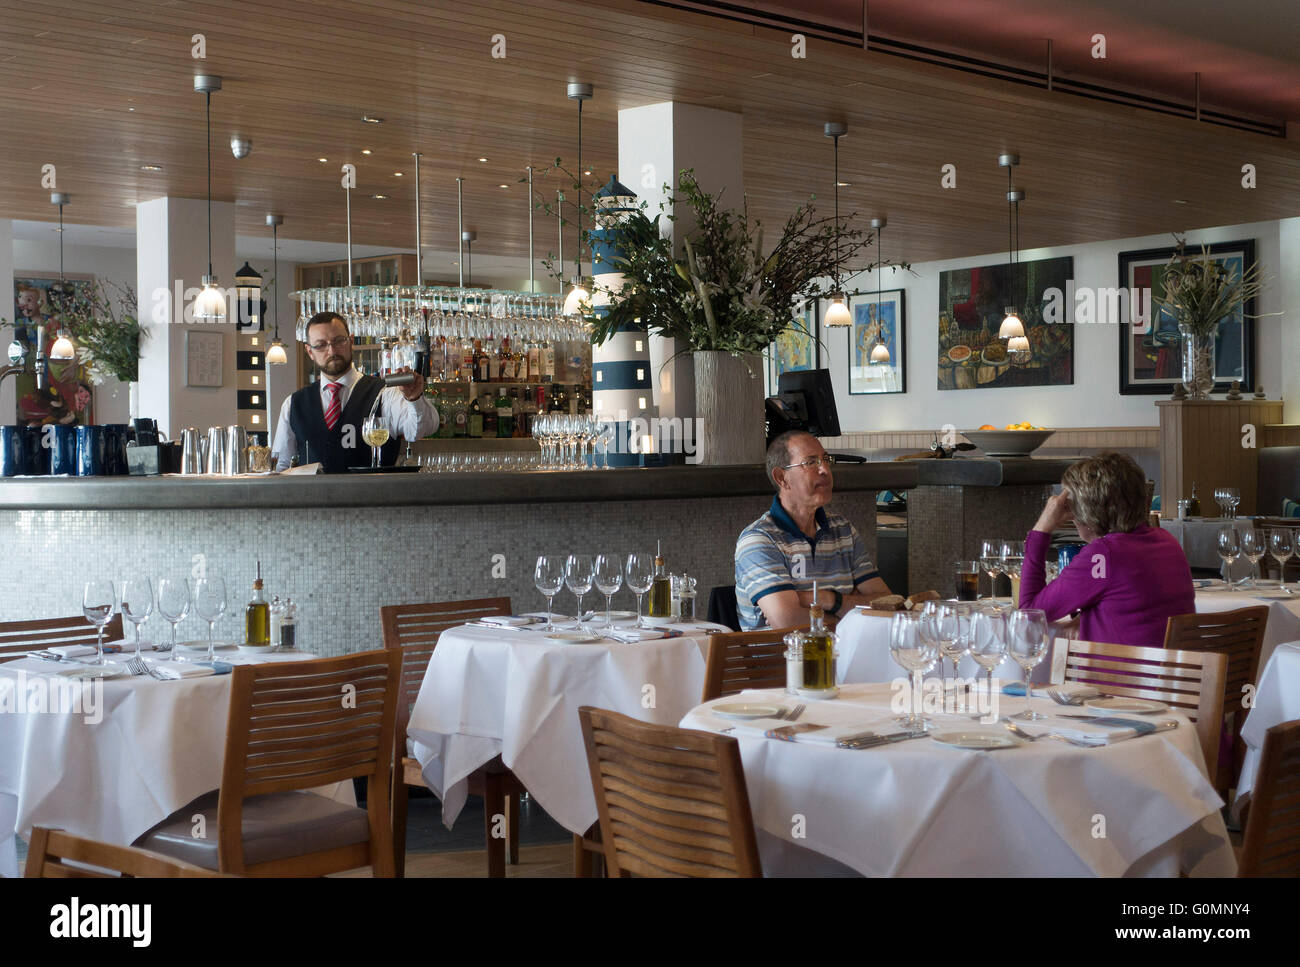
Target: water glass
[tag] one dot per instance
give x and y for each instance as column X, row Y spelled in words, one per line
column 548, row 578
column 608, row 577
column 1027, row 639
column 137, row 604
column 210, row 605
column 97, row 602
column 916, row 652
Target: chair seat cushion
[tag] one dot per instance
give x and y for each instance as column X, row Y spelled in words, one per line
column 276, row 826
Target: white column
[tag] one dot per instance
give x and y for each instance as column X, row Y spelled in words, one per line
column 8, row 402
column 655, row 143
column 172, row 251
column 1288, row 277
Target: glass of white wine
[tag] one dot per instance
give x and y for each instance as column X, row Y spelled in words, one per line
column 375, row 432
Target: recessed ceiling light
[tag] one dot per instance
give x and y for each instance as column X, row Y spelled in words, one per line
column 843, row 184
column 151, row 168
column 1179, row 201
column 482, row 159
column 503, row 186
column 397, row 174
column 455, row 261
column 371, row 119
column 322, row 160
column 587, row 172
column 380, row 197
column 365, row 151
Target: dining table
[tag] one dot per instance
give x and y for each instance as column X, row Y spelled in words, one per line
column 968, row 798
column 515, row 693
column 1199, row 539
column 1283, row 608
column 1276, row 700
column 112, row 757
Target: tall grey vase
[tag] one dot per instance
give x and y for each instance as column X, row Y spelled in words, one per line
column 729, row 405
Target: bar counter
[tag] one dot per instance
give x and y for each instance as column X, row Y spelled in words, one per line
column 344, row 545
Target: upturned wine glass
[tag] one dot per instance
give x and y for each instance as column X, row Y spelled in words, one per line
column 1027, row 640
column 137, row 604
column 97, row 602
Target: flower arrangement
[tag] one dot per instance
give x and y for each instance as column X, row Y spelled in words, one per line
column 1200, row 291
column 107, row 332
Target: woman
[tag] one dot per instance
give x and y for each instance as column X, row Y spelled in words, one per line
column 1129, row 578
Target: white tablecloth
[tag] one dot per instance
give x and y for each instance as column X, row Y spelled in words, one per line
column 862, row 643
column 150, row 748
column 1200, row 542
column 917, row 808
column 516, row 694
column 1277, row 700
column 1283, row 612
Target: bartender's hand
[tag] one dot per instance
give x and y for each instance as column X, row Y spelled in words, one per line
column 412, row 391
column 1056, row 513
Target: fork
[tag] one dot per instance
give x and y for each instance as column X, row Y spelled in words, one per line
column 795, row 712
column 1018, row 731
column 136, row 666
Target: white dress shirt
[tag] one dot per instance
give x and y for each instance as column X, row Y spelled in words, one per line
column 411, row 420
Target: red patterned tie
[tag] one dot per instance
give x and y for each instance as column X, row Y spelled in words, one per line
column 333, row 411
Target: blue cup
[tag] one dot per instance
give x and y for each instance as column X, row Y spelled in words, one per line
column 61, row 441
column 115, row 438
column 38, row 455
column 13, row 451
column 1065, row 554
column 90, row 451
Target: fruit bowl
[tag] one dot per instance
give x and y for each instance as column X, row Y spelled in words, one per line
column 1008, row 443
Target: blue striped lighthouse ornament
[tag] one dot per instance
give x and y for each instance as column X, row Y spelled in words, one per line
column 622, row 390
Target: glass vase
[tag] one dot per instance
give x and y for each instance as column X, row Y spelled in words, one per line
column 1197, row 363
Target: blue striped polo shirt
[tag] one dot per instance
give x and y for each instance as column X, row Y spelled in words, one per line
column 773, row 554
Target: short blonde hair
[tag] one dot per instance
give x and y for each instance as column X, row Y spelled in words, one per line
column 1108, row 493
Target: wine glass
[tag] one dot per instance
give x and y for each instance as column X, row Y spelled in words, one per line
column 210, row 605
column 954, row 636
column 1229, row 551
column 173, row 605
column 988, row 642
column 137, row 604
column 1282, row 546
column 97, row 602
column 1233, row 496
column 1221, row 498
column 1012, row 554
column 374, row 430
column 1027, row 639
column 991, row 562
column 608, row 576
column 1253, row 547
column 916, row 652
column 578, row 577
column 639, row 575
column 548, row 578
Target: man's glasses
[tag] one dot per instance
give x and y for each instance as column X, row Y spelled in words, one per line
column 337, row 343
column 812, row 462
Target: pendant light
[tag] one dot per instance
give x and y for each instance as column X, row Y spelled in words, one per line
column 62, row 348
column 837, row 316
column 275, row 354
column 210, row 305
column 879, row 352
column 1012, row 327
column 578, row 294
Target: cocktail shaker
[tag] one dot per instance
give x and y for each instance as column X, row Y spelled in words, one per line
column 236, row 450
column 191, row 451
column 216, row 456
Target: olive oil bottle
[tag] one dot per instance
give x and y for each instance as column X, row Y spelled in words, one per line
column 257, row 616
column 818, row 650
column 661, row 593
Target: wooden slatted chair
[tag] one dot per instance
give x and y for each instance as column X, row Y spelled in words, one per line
column 295, row 726
column 1271, row 845
column 414, row 629
column 19, row 637
column 672, row 801
column 1239, row 635
column 744, row 659
column 53, row 853
column 1190, row 681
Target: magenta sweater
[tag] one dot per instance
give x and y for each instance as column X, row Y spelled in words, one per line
column 1124, row 586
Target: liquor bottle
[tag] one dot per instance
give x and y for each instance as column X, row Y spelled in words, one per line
column 518, row 431
column 818, row 650
column 521, row 364
column 482, row 366
column 444, row 416
column 257, row 616
column 548, row 362
column 534, row 363
column 459, row 418
column 661, row 592
column 1194, row 505
column 505, row 416
column 494, row 364
column 475, row 418
column 489, row 406
column 506, row 362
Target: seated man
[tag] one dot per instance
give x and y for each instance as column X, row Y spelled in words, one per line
column 797, row 542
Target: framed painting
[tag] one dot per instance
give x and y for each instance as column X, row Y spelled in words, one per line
column 795, row 349
column 1149, row 354
column 877, row 360
column 972, row 305
column 203, row 352
column 40, row 307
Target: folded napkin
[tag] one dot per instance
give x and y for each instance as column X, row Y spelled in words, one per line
column 809, row 732
column 1105, row 730
column 1018, row 688
column 72, row 651
column 188, row 669
column 509, row 620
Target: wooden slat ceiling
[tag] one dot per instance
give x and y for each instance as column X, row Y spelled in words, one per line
column 100, row 90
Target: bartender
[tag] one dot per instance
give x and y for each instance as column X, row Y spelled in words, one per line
column 321, row 423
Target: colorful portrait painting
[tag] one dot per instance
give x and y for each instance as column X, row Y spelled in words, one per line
column 40, row 304
column 876, row 363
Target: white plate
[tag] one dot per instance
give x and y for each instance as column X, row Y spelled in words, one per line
column 976, row 740
column 574, row 637
column 1134, row 706
column 745, row 710
column 107, row 670
column 203, row 645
